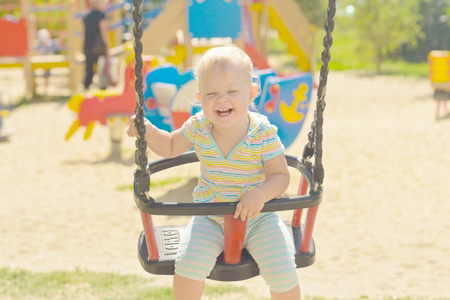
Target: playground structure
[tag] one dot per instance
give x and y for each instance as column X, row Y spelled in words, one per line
column 192, row 27
column 246, row 25
column 439, row 74
column 20, row 22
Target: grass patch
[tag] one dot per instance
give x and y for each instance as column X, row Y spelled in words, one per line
column 344, row 56
column 153, row 183
column 401, row 68
column 215, row 291
column 21, row 284
column 78, row 284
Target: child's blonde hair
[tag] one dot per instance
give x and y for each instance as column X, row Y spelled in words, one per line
column 221, row 57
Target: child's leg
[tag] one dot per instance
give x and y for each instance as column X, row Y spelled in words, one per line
column 201, row 243
column 187, row 289
column 271, row 245
column 89, row 74
column 293, row 294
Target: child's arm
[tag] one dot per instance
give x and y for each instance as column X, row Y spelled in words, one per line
column 161, row 142
column 276, row 182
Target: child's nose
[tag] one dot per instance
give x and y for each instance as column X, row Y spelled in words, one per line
column 222, row 97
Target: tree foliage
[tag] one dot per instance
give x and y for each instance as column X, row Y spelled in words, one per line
column 315, row 11
column 385, row 26
column 380, row 30
column 435, row 26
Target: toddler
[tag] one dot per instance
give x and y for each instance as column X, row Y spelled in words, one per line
column 241, row 159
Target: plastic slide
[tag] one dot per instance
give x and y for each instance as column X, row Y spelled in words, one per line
column 259, row 61
column 286, row 17
column 163, row 28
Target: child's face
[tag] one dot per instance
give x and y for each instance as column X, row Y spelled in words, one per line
column 225, row 94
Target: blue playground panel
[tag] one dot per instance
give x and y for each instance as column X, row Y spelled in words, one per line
column 214, row 18
column 262, row 76
column 165, row 74
column 285, row 102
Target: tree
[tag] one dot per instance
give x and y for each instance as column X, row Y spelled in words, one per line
column 435, row 27
column 384, row 26
column 315, row 11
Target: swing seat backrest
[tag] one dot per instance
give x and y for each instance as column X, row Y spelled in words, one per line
column 157, row 246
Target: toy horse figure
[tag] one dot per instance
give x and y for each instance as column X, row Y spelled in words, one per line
column 98, row 106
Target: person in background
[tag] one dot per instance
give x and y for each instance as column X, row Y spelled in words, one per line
column 95, row 33
column 45, row 45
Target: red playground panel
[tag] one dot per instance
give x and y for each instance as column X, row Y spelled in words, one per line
column 15, row 36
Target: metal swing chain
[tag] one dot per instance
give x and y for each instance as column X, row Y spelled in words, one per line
column 315, row 136
column 140, row 157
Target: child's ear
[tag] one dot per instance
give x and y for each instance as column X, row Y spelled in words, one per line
column 198, row 97
column 253, row 92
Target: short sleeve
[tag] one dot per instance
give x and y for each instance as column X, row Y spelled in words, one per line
column 190, row 128
column 271, row 144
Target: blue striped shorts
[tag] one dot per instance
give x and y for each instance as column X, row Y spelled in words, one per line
column 267, row 240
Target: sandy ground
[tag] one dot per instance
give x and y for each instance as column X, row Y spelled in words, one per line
column 382, row 229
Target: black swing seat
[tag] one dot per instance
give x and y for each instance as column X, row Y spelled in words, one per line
column 168, row 237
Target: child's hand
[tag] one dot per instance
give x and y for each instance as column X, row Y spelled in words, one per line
column 132, row 130
column 250, row 204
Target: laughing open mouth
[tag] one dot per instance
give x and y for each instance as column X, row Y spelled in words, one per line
column 224, row 112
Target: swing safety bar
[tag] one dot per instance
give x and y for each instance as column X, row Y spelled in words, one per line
column 150, row 206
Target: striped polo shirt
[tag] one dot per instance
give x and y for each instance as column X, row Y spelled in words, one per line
column 225, row 179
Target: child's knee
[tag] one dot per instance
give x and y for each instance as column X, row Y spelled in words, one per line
column 194, row 268
column 281, row 282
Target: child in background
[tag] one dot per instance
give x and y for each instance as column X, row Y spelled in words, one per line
column 241, row 159
column 45, row 46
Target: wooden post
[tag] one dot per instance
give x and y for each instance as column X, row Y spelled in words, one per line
column 265, row 29
column 80, row 7
column 71, row 46
column 187, row 44
column 25, row 9
column 115, row 35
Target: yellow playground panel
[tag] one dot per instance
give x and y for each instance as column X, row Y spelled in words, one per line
column 439, row 73
column 439, row 63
